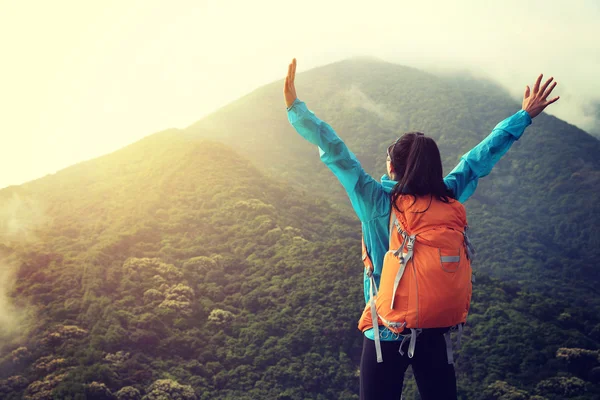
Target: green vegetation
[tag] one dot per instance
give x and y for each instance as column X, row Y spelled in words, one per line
column 176, row 269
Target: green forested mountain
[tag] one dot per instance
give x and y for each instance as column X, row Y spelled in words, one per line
column 179, row 260
column 183, row 268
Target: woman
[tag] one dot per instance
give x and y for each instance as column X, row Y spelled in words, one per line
column 372, row 202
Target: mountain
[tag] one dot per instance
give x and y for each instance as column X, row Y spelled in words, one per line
column 535, row 215
column 186, row 253
column 180, row 267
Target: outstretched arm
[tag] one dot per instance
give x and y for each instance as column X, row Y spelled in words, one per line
column 480, row 160
column 366, row 194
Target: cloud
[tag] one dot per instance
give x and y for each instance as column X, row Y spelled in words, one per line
column 12, row 317
column 509, row 42
column 116, row 71
column 592, row 110
column 357, row 98
column 19, row 218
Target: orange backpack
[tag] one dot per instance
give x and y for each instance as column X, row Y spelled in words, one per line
column 426, row 275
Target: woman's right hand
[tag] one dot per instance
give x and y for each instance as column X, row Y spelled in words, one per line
column 534, row 103
column 289, row 90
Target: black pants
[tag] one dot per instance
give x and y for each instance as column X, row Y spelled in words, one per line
column 435, row 377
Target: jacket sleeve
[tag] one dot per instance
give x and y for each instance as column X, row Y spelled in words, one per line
column 365, row 193
column 480, row 160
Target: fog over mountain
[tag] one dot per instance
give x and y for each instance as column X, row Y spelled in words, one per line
column 114, row 72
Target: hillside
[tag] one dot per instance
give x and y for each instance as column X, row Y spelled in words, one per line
column 184, row 256
column 176, row 268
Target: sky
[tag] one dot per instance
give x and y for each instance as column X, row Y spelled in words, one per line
column 79, row 79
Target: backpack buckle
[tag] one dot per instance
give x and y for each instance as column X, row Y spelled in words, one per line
column 411, row 243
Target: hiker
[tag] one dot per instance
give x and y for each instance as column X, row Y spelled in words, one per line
column 394, row 214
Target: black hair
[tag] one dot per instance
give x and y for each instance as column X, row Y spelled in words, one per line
column 418, row 167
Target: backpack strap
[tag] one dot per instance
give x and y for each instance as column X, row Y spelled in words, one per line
column 366, row 259
column 412, row 342
column 409, row 242
column 374, row 317
column 448, row 338
column 468, row 244
column 449, row 352
column 470, row 250
column 369, row 269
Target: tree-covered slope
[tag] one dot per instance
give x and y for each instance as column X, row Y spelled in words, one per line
column 178, row 259
column 534, row 219
column 174, row 268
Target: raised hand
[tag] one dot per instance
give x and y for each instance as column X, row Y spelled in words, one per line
column 534, row 103
column 289, row 90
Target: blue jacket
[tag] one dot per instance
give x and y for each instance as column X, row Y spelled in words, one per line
column 371, row 199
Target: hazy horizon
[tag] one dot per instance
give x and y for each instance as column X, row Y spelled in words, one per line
column 83, row 80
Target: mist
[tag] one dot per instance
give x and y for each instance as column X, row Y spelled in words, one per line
column 19, row 217
column 12, row 317
column 509, row 43
column 114, row 72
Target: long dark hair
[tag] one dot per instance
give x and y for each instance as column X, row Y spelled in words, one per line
column 418, row 167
